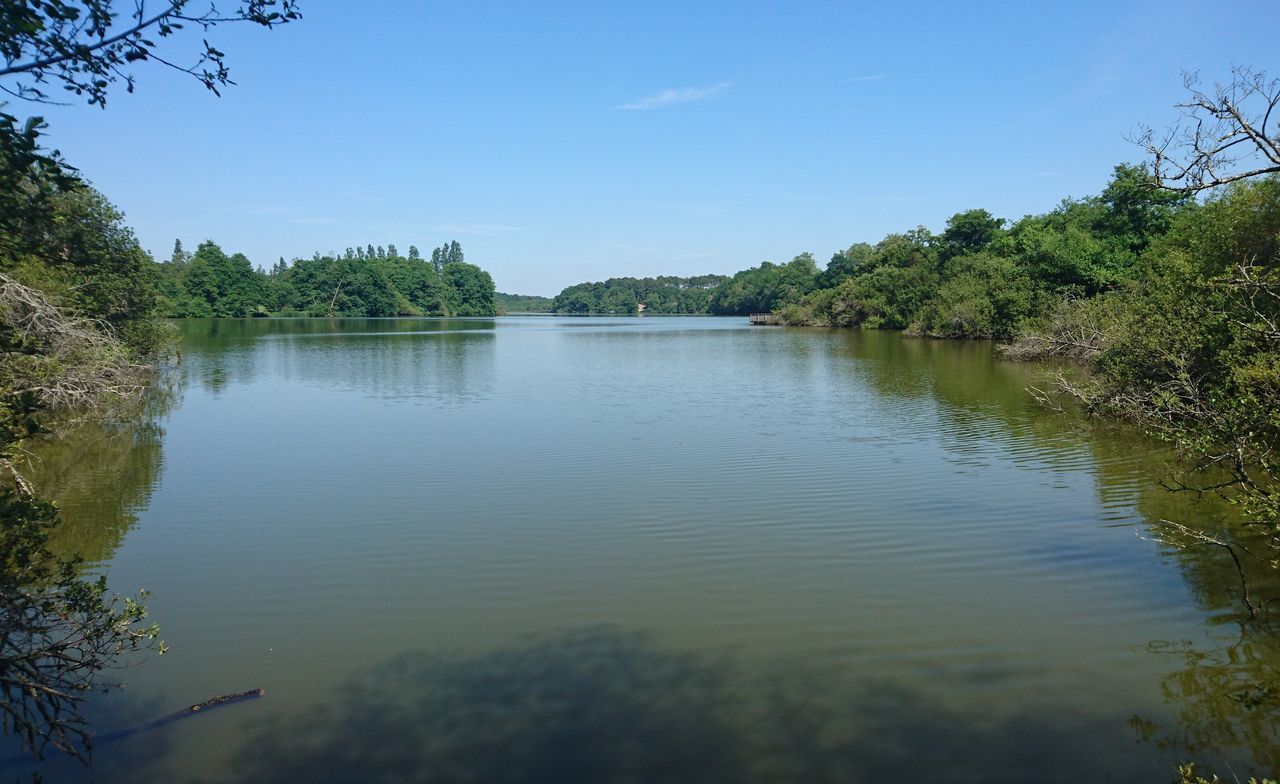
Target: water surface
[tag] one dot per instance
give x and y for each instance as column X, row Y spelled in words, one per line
column 678, row 549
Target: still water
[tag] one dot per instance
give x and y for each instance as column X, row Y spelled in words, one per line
column 656, row 549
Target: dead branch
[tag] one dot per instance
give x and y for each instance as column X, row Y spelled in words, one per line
column 1225, row 135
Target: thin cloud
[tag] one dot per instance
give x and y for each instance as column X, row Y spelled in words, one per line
column 873, row 78
column 662, row 100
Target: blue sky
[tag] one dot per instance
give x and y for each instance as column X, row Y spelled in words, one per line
column 563, row 142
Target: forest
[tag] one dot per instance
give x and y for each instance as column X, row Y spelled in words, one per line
column 980, row 277
column 522, row 303
column 625, row 295
column 364, row 281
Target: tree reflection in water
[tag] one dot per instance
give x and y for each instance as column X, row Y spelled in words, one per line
column 100, row 469
column 601, row 704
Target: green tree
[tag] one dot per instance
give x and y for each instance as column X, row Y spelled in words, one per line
column 471, row 290
column 228, row 285
column 847, row 263
column 179, row 257
column 764, row 288
column 968, row 232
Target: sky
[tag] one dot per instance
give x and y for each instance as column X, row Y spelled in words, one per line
column 566, row 142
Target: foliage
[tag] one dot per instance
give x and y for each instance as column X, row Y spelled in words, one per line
column 980, row 296
column 889, row 286
column 470, row 290
column 362, row 282
column 86, row 45
column 448, row 253
column 521, row 303
column 847, row 263
column 1187, row 774
column 969, row 232
column 979, row 279
column 663, row 294
column 1192, row 348
column 764, row 288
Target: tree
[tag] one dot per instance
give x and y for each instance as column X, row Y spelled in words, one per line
column 86, row 45
column 472, row 290
column 229, row 285
column 179, row 257
column 1227, row 134
column 846, row 264
column 970, row 231
column 413, row 253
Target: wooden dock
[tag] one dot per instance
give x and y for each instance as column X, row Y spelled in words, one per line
column 765, row 319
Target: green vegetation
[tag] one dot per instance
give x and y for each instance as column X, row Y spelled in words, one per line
column 78, row 327
column 766, row 287
column 982, row 279
column 625, row 295
column 365, row 281
column 1187, row 774
column 522, row 303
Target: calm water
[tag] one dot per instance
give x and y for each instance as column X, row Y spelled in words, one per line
column 659, row 549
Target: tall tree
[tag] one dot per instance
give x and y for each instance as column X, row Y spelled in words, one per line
column 179, row 256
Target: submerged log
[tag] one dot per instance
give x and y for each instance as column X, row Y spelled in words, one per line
column 191, row 710
column 107, row 737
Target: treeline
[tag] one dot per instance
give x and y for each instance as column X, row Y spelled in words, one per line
column 368, row 281
column 982, row 277
column 522, row 303
column 624, row 295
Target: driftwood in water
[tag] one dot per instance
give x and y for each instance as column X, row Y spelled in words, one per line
column 216, row 702
column 98, row 739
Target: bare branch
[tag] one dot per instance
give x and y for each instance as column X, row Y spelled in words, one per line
column 1221, row 136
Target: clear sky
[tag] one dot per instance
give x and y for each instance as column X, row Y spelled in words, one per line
column 563, row 142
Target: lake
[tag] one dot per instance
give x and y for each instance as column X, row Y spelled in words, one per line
column 649, row 549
